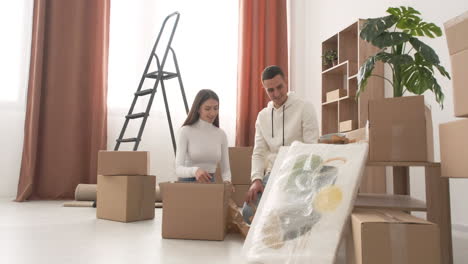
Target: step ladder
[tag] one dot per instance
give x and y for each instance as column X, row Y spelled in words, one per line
column 159, row 77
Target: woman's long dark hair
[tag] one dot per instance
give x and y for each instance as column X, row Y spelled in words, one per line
column 201, row 97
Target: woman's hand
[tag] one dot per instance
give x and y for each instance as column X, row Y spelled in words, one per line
column 202, row 176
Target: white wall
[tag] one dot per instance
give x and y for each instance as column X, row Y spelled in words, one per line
column 315, row 21
column 206, row 47
column 15, row 47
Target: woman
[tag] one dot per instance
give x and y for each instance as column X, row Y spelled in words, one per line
column 202, row 144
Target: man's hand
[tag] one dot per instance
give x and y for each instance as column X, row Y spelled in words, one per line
column 202, row 176
column 255, row 188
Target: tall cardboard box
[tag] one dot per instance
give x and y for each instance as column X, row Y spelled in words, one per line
column 240, row 161
column 454, row 149
column 238, row 196
column 456, row 31
column 123, row 163
column 195, row 210
column 400, row 129
column 393, row 237
column 125, row 198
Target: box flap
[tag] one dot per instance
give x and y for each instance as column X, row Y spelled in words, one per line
column 240, row 161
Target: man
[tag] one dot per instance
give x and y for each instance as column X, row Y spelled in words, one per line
column 285, row 119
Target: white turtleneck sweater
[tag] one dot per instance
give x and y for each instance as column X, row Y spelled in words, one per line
column 202, row 145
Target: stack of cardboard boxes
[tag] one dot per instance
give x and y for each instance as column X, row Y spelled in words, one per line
column 453, row 135
column 125, row 190
column 391, row 236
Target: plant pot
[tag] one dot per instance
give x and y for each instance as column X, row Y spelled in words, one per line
column 400, row 129
column 335, row 62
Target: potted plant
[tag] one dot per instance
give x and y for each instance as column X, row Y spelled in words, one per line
column 330, row 58
column 413, row 63
column 401, row 128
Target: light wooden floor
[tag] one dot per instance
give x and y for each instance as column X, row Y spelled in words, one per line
column 47, row 233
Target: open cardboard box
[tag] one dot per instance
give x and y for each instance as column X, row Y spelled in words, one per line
column 195, row 210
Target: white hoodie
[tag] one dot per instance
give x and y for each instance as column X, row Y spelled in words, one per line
column 294, row 120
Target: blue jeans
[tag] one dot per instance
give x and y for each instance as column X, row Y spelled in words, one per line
column 248, row 211
column 193, row 179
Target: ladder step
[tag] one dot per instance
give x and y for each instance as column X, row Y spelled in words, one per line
column 144, row 92
column 166, row 75
column 137, row 115
column 128, row 140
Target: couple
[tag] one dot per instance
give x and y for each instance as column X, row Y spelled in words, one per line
column 202, row 144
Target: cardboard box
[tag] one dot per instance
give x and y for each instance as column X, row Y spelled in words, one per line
column 459, row 63
column 456, row 32
column 123, row 163
column 454, row 149
column 393, row 237
column 240, row 193
column 125, row 198
column 336, row 94
column 240, row 161
column 400, row 129
column 347, row 125
column 195, row 210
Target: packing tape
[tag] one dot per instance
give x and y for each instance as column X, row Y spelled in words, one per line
column 87, row 192
column 397, row 134
column 397, row 239
column 398, row 243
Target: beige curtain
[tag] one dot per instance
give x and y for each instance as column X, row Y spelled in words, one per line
column 66, row 110
column 263, row 41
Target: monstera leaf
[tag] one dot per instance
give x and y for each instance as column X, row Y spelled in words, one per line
column 413, row 63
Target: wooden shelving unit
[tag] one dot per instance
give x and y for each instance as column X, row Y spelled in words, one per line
column 352, row 52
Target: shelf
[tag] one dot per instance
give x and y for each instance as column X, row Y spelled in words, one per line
column 352, row 77
column 334, row 101
column 403, row 163
column 337, row 69
column 389, row 201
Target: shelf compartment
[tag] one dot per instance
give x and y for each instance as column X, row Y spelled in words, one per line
column 333, row 79
column 329, row 44
column 330, row 118
column 348, row 111
column 348, row 47
column 352, row 87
